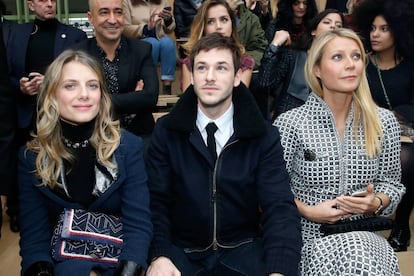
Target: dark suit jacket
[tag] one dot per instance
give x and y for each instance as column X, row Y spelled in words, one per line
column 66, row 36
column 7, row 26
column 135, row 63
column 7, row 123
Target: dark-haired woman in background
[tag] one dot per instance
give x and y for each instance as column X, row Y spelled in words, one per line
column 281, row 69
column 292, row 16
column 387, row 29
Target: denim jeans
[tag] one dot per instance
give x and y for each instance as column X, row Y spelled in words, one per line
column 164, row 51
column 247, row 259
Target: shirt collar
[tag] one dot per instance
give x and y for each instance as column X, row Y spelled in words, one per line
column 221, row 122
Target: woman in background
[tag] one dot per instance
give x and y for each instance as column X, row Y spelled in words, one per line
column 387, row 29
column 338, row 143
column 215, row 16
column 292, row 16
column 79, row 158
column 153, row 22
column 281, row 69
column 266, row 10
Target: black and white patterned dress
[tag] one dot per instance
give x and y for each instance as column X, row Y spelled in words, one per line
column 323, row 167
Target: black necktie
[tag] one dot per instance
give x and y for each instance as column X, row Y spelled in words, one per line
column 211, row 128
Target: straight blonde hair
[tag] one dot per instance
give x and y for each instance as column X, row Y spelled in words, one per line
column 365, row 109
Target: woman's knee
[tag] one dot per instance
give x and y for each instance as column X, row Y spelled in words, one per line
column 166, row 43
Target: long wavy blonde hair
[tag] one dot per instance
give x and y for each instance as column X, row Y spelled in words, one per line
column 199, row 22
column 365, row 109
column 48, row 140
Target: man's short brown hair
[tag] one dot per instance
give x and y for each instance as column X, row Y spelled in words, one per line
column 216, row 41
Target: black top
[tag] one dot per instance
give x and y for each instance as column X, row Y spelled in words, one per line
column 399, row 86
column 80, row 176
column 40, row 51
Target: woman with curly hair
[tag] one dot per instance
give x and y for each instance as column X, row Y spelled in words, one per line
column 386, row 28
column 79, row 158
column 293, row 17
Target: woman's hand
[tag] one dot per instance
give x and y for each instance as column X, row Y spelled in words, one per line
column 165, row 14
column 367, row 203
column 162, row 266
column 281, row 38
column 324, row 212
column 154, row 19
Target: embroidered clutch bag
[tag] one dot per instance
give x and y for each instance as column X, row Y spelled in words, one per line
column 93, row 236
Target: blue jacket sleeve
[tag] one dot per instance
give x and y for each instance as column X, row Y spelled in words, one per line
column 136, row 216
column 35, row 232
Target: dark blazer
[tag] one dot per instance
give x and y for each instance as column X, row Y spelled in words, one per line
column 247, row 187
column 135, row 63
column 66, row 36
column 127, row 197
column 7, row 26
column 7, row 123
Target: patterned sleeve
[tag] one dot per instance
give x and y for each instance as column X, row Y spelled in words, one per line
column 286, row 124
column 389, row 174
column 274, row 68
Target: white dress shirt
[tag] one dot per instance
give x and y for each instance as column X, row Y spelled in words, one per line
column 224, row 127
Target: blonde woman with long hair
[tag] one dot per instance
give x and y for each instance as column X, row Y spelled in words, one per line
column 80, row 158
column 343, row 156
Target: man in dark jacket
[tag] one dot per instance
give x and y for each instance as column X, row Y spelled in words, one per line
column 31, row 47
column 127, row 63
column 7, row 119
column 221, row 199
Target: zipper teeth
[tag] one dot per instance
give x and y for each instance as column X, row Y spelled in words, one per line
column 215, row 243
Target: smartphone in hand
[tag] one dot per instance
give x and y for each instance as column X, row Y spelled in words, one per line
column 361, row 193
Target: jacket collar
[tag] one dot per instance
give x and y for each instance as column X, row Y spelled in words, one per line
column 247, row 121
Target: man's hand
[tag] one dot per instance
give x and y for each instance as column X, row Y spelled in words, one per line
column 139, row 86
column 31, row 85
column 162, row 266
column 3, row 201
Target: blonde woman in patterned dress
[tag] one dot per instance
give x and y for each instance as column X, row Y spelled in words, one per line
column 339, row 142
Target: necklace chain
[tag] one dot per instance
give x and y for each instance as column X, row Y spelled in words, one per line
column 76, row 145
column 382, row 83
